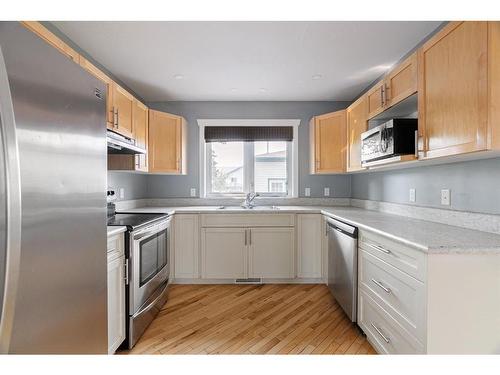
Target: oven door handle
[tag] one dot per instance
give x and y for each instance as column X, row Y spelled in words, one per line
column 146, row 234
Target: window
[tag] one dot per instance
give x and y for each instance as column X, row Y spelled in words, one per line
column 239, row 156
column 241, row 167
column 225, row 167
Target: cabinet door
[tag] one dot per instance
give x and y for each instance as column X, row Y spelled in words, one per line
column 116, row 303
column 375, row 99
column 271, row 252
column 453, row 90
column 167, row 143
column 123, row 103
column 328, row 143
column 357, row 123
column 402, row 81
column 186, row 246
column 224, row 253
column 141, row 119
column 91, row 68
column 309, row 246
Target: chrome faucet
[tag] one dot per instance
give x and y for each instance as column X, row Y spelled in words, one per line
column 248, row 202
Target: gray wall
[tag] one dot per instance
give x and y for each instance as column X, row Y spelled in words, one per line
column 134, row 184
column 474, row 185
column 163, row 186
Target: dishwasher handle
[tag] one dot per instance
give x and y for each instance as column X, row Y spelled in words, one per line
column 343, row 228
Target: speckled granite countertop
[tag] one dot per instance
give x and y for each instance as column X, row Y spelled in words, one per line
column 426, row 236
column 112, row 230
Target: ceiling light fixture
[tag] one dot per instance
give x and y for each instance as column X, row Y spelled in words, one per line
column 178, row 76
column 234, row 89
column 317, row 76
column 262, row 89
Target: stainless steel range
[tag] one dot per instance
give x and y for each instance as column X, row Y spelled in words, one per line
column 148, row 268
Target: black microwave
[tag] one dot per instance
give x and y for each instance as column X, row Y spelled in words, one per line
column 394, row 137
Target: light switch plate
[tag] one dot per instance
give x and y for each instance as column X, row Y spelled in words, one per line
column 307, row 192
column 193, row 192
column 327, row 192
column 445, row 197
column 413, row 195
column 121, row 192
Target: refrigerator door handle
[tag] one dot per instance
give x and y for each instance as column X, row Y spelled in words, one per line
column 13, row 208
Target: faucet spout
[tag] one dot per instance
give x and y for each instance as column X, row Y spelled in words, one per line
column 249, row 200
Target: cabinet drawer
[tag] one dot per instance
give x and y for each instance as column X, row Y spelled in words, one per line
column 248, row 220
column 400, row 294
column 406, row 259
column 383, row 331
column 116, row 244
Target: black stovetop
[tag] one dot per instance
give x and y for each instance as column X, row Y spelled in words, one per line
column 134, row 221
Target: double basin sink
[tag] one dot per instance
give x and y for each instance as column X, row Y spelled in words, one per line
column 243, row 208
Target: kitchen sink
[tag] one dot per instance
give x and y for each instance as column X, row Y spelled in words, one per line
column 256, row 208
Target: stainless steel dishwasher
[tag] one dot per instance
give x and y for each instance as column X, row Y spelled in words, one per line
column 343, row 265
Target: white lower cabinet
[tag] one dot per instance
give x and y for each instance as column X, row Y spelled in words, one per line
column 186, row 246
column 383, row 330
column 271, row 253
column 261, row 252
column 310, row 245
column 223, row 253
column 412, row 302
column 116, row 292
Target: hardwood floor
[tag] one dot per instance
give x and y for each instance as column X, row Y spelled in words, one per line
column 251, row 319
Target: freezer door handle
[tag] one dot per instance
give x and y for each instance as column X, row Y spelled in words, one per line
column 12, row 177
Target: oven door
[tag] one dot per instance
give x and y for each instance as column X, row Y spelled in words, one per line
column 149, row 259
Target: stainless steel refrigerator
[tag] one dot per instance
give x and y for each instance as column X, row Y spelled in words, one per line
column 53, row 200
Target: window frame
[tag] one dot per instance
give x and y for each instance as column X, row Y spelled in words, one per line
column 248, row 173
column 248, row 169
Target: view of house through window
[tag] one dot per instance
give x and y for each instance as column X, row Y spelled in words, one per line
column 226, row 167
column 242, row 167
column 270, row 167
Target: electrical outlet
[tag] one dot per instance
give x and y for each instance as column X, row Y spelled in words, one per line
column 413, row 194
column 193, row 192
column 445, row 197
column 326, row 192
column 307, row 192
column 121, row 193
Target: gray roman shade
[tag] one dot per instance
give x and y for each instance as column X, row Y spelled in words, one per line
column 248, row 133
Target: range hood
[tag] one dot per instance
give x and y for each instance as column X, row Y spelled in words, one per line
column 118, row 144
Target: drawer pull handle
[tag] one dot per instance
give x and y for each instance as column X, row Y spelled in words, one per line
column 379, row 284
column 386, row 339
column 379, row 248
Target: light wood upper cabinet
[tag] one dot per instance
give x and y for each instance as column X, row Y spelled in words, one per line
column 375, row 99
column 123, row 104
column 453, row 90
column 401, row 82
column 91, row 68
column 167, row 143
column 357, row 123
column 398, row 84
column 141, row 130
column 52, row 39
column 328, row 143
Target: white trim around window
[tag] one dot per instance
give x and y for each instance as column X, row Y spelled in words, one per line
column 292, row 149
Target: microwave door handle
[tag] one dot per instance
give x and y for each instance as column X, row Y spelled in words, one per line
column 12, row 178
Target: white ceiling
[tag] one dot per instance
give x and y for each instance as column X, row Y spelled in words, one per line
column 247, row 60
